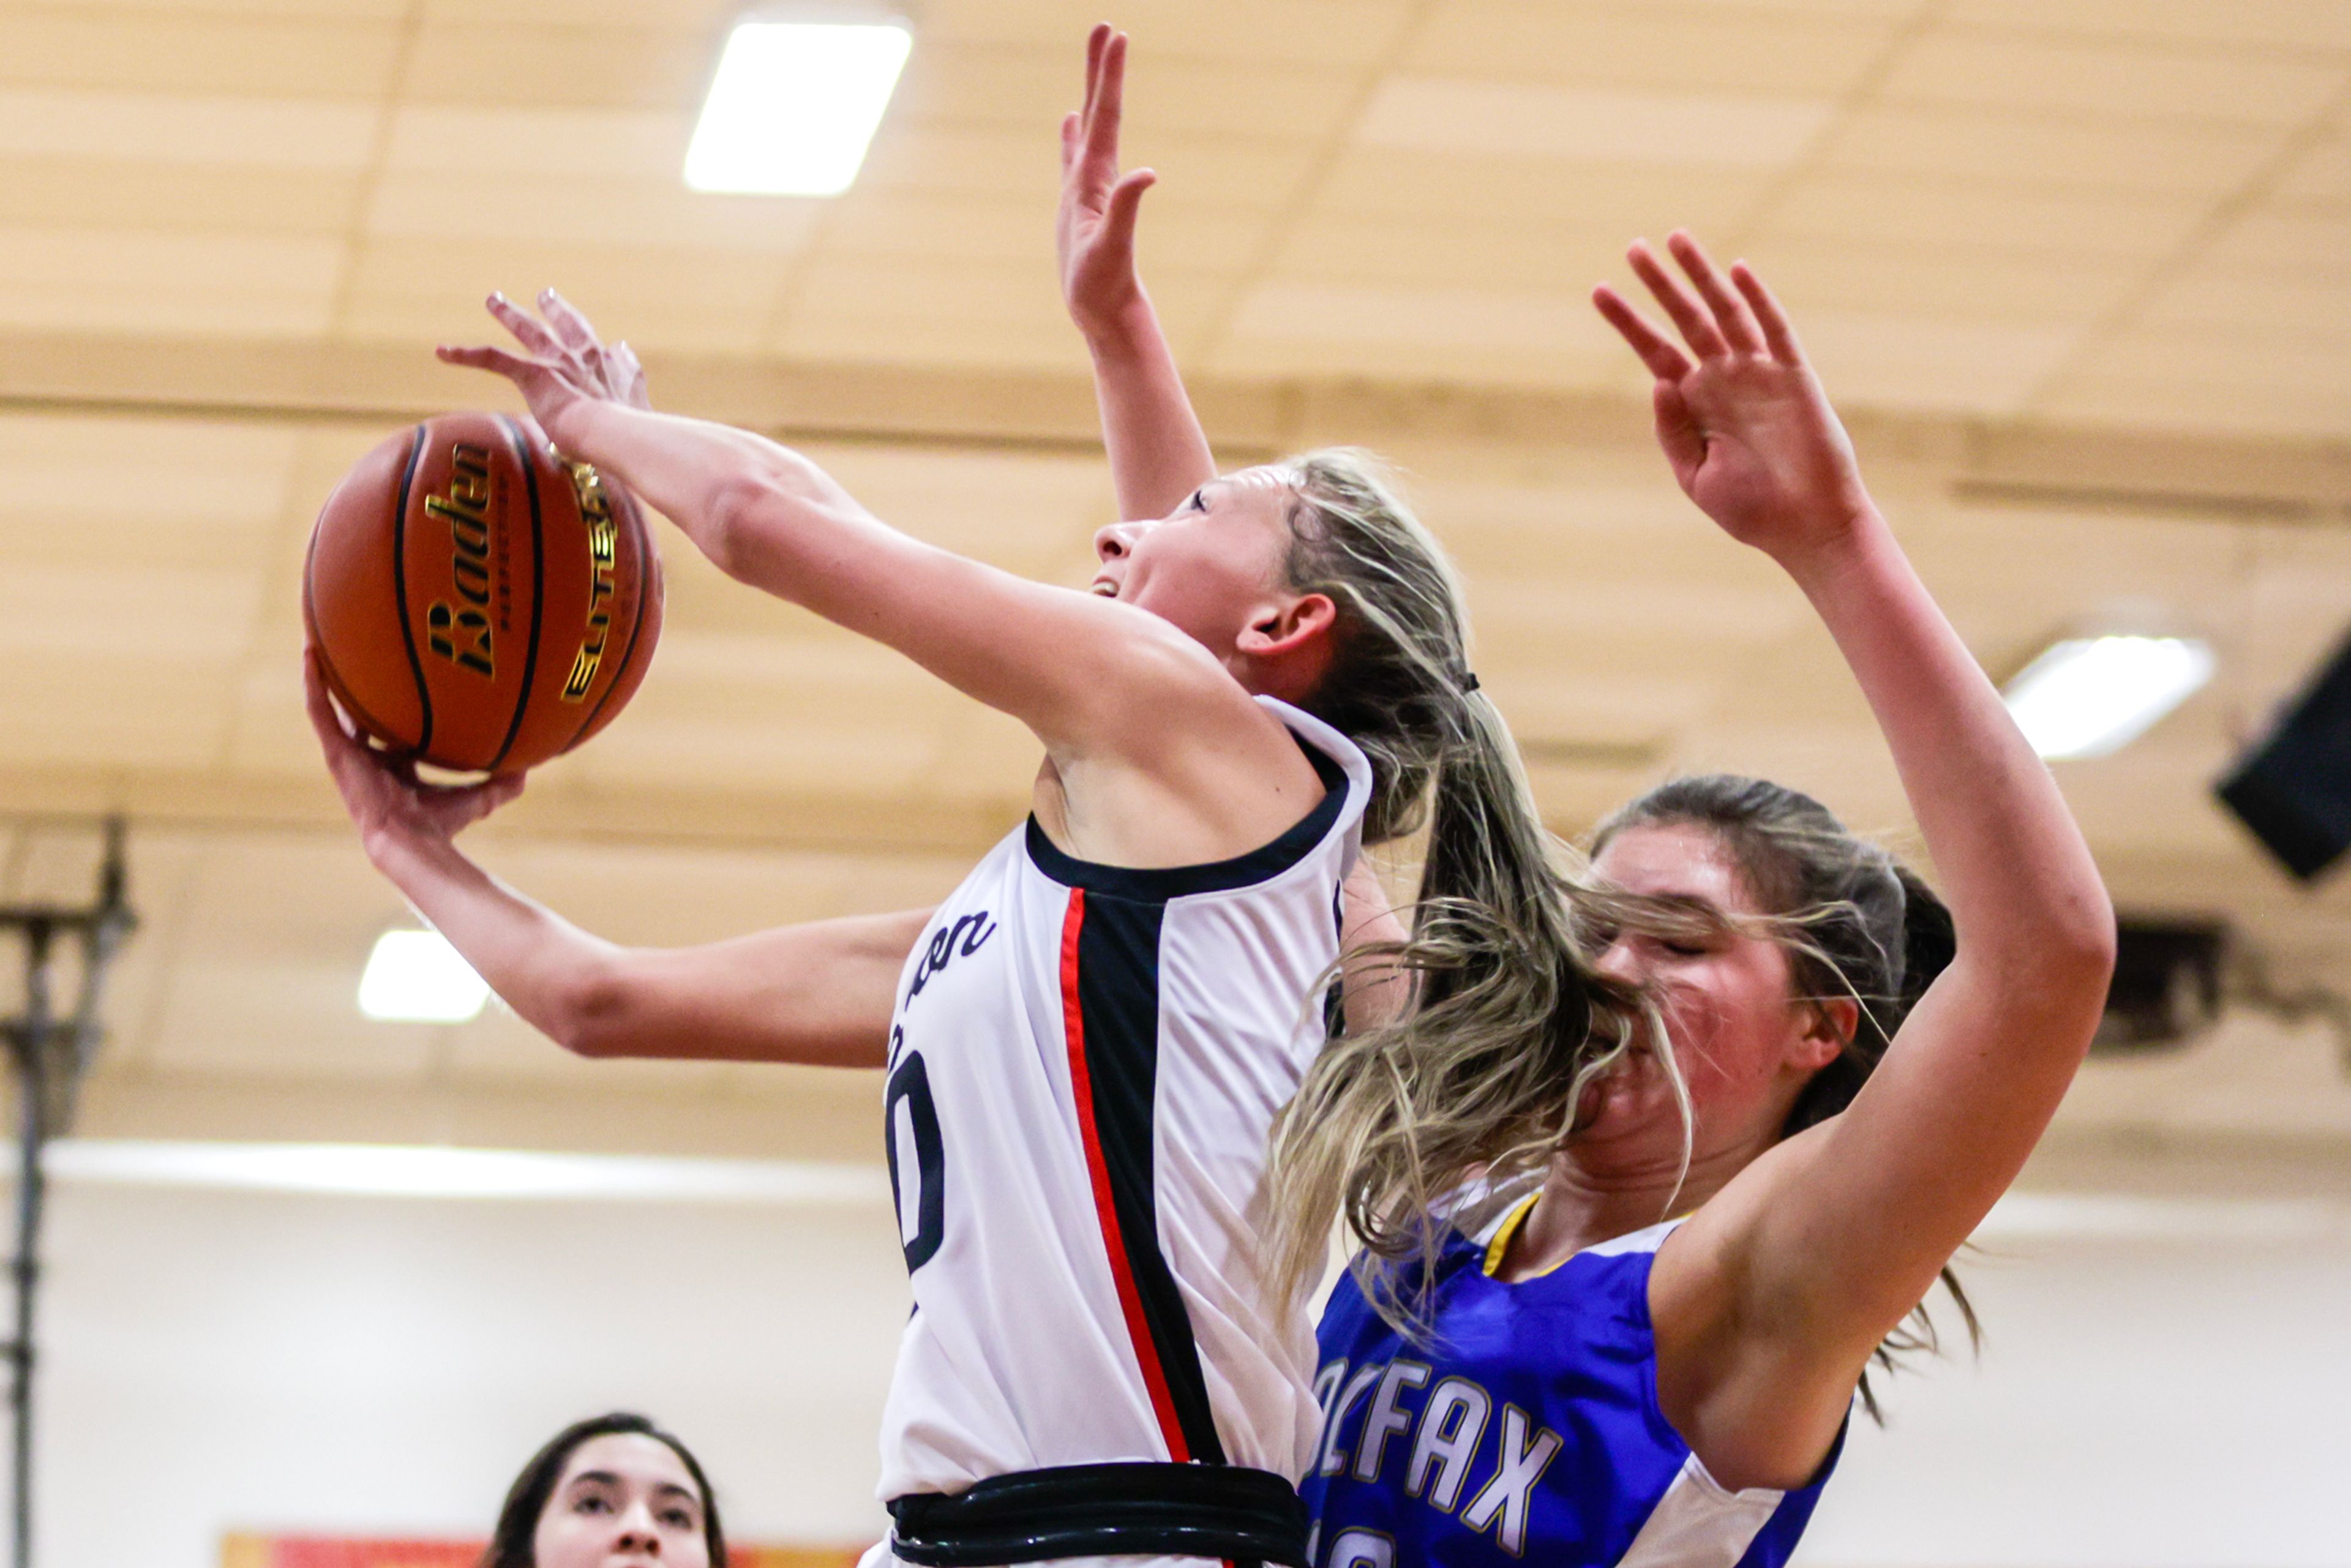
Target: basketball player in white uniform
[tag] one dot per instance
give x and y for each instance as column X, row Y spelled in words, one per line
column 1084, row 1060
column 1088, row 1042
column 1084, row 1065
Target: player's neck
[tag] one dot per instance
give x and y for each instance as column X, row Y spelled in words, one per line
column 1595, row 1194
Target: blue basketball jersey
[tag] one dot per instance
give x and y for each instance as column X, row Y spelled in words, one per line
column 1528, row 1430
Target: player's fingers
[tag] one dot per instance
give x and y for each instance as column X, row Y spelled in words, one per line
column 528, row 329
column 1731, row 316
column 569, row 323
column 1125, row 199
column 1069, row 140
column 497, row 361
column 1665, row 361
column 1110, row 102
column 319, row 704
column 632, row 374
column 1688, row 314
column 1096, row 41
column 1679, row 430
column 1778, row 330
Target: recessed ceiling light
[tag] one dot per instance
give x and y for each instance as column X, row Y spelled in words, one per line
column 2086, row 697
column 416, row 977
column 794, row 105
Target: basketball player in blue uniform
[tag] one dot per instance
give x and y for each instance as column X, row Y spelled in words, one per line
column 1709, row 1223
column 1088, row 1041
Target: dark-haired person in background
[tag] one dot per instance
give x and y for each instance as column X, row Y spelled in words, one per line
column 1712, row 1221
column 610, row 1489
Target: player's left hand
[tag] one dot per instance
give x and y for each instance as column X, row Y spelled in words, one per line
column 1093, row 230
column 1741, row 417
column 564, row 364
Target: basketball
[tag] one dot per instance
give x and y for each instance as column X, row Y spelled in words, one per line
column 480, row 602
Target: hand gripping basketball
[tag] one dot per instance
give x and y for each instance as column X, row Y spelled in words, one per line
column 381, row 790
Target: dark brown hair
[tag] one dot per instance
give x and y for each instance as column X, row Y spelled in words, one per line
column 511, row 1545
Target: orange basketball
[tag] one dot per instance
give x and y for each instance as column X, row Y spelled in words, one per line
column 480, row 602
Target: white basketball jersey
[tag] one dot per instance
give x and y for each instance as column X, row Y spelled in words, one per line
column 1084, row 1064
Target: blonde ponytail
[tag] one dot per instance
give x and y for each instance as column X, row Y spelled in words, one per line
column 1480, row 1078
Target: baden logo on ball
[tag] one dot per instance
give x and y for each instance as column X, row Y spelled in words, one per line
column 478, row 601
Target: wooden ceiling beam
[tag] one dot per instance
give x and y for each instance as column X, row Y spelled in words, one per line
column 2031, row 462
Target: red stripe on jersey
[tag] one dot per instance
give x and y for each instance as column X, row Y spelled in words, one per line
column 1081, row 1090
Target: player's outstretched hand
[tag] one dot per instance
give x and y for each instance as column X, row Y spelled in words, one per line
column 563, row 366
column 382, row 792
column 1741, row 415
column 1093, row 232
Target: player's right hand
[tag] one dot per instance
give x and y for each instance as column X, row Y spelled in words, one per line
column 1093, row 232
column 564, row 366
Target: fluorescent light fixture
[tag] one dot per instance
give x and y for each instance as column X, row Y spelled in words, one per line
column 2086, row 697
column 416, row 977
column 793, row 107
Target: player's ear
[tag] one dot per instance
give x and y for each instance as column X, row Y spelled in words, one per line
column 1290, row 626
column 1828, row 1029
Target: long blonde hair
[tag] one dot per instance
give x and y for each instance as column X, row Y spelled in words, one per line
column 1481, row 1076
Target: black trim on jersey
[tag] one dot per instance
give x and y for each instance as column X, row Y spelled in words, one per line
column 1334, row 995
column 1118, row 1002
column 1159, row 884
column 1104, row 1510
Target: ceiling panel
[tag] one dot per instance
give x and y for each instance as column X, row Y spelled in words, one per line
column 1429, row 114
column 314, row 57
column 2125, row 79
column 2289, row 26
column 536, row 210
column 118, row 195
column 1362, row 329
column 1884, row 208
column 1322, row 34
column 1670, row 48
column 1541, row 197
column 187, row 128
column 2033, row 148
column 472, row 139
column 1954, row 282
column 2321, row 175
column 464, row 58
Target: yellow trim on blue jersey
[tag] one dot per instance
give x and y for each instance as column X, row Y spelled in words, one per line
column 1511, row 1225
column 1510, row 1228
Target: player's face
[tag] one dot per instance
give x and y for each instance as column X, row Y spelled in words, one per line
column 1213, row 566
column 1745, row 1045
column 624, row 1501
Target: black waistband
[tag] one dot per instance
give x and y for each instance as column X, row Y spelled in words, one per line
column 1104, row 1510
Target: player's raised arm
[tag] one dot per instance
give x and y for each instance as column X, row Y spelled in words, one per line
column 1094, row 678
column 819, row 994
column 1158, row 452
column 1819, row 1249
